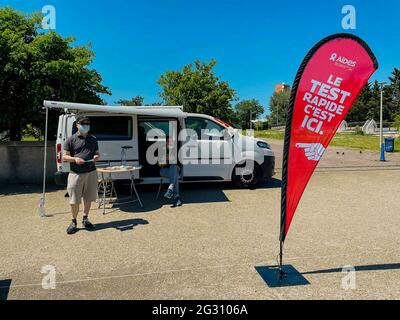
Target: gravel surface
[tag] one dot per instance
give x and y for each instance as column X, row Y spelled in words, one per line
column 210, row 247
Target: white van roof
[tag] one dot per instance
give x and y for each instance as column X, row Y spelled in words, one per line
column 159, row 111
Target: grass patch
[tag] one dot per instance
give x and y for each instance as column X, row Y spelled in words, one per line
column 270, row 134
column 347, row 140
column 356, row 141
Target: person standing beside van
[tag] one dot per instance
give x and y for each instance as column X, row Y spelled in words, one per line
column 171, row 171
column 81, row 150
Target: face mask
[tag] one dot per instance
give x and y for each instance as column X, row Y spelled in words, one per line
column 84, row 128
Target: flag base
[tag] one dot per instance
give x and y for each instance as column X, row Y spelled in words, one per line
column 275, row 277
column 281, row 273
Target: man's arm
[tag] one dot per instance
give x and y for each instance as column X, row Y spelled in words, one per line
column 68, row 158
column 96, row 156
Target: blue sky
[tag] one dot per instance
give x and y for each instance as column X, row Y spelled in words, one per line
column 256, row 43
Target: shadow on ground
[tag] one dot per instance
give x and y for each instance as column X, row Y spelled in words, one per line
column 373, row 267
column 12, row 189
column 121, row 225
column 4, row 288
column 191, row 193
column 270, row 274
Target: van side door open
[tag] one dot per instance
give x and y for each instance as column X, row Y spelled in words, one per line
column 153, row 130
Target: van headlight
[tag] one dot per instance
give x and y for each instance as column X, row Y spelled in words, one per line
column 263, row 145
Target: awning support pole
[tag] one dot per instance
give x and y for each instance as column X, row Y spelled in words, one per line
column 42, row 203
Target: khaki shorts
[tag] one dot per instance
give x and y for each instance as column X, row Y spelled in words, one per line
column 82, row 185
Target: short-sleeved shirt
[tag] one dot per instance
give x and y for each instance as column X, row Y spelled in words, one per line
column 84, row 148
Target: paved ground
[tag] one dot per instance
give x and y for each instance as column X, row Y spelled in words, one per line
column 210, row 247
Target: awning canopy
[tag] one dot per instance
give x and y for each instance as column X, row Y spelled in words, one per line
column 159, row 111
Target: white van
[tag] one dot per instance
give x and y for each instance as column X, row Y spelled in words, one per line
column 121, row 127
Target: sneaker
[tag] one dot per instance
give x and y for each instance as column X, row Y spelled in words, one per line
column 87, row 224
column 177, row 203
column 169, row 194
column 72, row 228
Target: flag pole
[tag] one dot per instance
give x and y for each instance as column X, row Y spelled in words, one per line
column 281, row 273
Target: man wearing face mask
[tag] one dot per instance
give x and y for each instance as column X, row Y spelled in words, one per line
column 82, row 151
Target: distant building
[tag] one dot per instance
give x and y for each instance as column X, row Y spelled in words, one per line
column 282, row 87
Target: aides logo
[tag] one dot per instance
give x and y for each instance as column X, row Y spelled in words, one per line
column 343, row 61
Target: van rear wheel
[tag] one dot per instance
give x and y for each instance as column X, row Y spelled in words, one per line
column 246, row 175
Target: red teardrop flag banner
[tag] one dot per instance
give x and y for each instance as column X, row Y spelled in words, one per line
column 327, row 83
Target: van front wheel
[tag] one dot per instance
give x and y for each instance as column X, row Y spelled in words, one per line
column 247, row 175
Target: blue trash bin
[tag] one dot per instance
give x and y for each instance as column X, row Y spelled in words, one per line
column 389, row 144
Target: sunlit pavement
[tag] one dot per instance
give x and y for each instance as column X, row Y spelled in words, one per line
column 210, row 247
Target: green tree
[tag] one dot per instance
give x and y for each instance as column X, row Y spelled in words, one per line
column 393, row 90
column 37, row 66
column 278, row 105
column 396, row 123
column 261, row 125
column 367, row 104
column 135, row 101
column 198, row 89
column 243, row 109
column 158, row 103
column 374, row 102
column 362, row 109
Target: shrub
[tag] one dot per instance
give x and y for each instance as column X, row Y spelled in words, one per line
column 358, row 131
column 396, row 122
